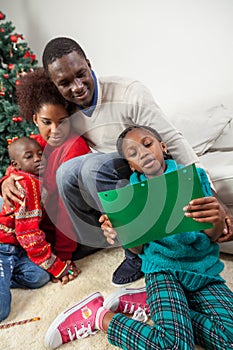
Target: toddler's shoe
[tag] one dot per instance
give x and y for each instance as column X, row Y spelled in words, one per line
column 129, row 301
column 77, row 322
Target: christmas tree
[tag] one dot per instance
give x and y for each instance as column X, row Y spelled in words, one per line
column 16, row 59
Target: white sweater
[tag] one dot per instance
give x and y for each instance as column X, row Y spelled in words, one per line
column 123, row 102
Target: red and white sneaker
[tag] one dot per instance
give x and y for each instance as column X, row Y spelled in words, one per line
column 77, row 322
column 129, row 301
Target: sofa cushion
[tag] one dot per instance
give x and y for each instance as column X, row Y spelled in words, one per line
column 226, row 247
column 203, row 129
column 225, row 141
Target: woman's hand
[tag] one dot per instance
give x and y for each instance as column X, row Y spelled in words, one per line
column 208, row 209
column 109, row 231
column 10, row 193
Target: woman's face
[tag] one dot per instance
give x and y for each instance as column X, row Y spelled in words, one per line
column 53, row 123
column 144, row 152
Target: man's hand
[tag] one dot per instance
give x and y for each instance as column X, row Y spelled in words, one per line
column 227, row 234
column 10, row 193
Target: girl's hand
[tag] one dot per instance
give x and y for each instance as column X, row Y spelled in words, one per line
column 10, row 193
column 208, row 209
column 111, row 234
column 109, row 231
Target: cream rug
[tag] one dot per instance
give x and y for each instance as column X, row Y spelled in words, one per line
column 50, row 300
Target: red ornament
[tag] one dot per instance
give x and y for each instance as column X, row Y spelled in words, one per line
column 2, row 93
column 17, row 82
column 29, row 55
column 10, row 66
column 17, row 118
column 6, row 76
column 2, row 30
column 2, row 16
column 14, row 38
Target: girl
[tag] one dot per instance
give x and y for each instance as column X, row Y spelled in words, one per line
column 188, row 300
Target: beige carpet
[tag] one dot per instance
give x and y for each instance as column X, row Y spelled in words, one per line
column 50, row 300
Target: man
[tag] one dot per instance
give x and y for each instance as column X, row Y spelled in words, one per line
column 103, row 108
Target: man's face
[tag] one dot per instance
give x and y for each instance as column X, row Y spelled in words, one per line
column 72, row 76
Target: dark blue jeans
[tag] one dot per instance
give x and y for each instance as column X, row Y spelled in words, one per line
column 17, row 271
column 79, row 180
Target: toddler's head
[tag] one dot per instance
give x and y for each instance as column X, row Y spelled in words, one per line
column 26, row 154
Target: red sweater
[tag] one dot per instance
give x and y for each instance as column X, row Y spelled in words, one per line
column 65, row 239
column 64, row 243
column 21, row 226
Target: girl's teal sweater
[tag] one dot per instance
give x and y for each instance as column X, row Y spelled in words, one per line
column 191, row 256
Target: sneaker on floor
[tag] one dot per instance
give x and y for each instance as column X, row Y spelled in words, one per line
column 127, row 272
column 129, row 301
column 76, row 322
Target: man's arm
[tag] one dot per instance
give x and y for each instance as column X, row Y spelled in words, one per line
column 145, row 111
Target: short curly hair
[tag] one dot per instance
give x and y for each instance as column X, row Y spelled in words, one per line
column 14, row 145
column 35, row 89
column 58, row 47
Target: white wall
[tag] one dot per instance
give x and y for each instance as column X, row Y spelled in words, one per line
column 181, row 49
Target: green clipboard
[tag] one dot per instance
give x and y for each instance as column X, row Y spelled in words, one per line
column 153, row 209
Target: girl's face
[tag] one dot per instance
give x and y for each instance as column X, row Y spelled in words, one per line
column 53, row 123
column 144, row 152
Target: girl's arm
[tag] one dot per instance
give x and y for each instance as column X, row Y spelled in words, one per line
column 208, row 209
column 111, row 234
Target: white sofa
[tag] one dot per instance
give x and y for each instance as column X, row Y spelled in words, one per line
column 210, row 133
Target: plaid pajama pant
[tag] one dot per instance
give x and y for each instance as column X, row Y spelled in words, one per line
column 181, row 318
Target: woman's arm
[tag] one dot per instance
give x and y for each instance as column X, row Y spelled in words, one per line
column 9, row 191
